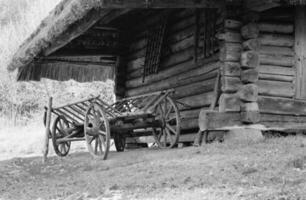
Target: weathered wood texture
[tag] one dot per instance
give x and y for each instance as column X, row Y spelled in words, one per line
column 300, row 50
column 276, row 55
column 193, row 82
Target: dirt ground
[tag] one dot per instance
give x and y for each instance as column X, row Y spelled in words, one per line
column 271, row 169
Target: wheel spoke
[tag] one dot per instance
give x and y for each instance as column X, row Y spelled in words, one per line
column 170, row 136
column 92, row 138
column 96, row 145
column 165, row 138
column 168, row 112
column 100, row 145
column 102, row 132
column 171, row 129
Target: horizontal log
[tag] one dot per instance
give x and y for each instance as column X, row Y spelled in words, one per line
column 276, row 105
column 276, row 40
column 169, row 61
column 274, row 50
column 187, row 137
column 232, row 24
column 249, row 59
column 248, row 93
column 279, row 60
column 252, row 106
column 275, row 88
column 231, row 69
column 249, row 76
column 191, row 123
column 210, row 120
column 198, row 74
column 250, row 117
column 190, row 114
column 230, row 36
column 230, row 84
column 277, row 70
column 200, row 87
column 251, row 44
column 276, row 28
column 276, row 77
column 197, row 101
column 250, row 31
column 164, row 74
column 229, row 103
column 135, row 64
column 230, row 52
column 276, row 121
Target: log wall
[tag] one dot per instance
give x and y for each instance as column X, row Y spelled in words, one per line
column 193, row 80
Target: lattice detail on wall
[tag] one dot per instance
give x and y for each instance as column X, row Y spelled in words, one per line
column 155, row 40
column 206, row 41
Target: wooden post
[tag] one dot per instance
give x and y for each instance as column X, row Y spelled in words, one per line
column 48, row 122
column 300, row 50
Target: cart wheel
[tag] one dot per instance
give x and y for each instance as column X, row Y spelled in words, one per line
column 119, row 142
column 97, row 131
column 168, row 134
column 59, row 128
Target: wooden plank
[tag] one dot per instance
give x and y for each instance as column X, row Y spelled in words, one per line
column 278, row 60
column 230, row 69
column 229, row 103
column 249, row 76
column 274, row 50
column 249, row 59
column 232, row 24
column 230, row 84
column 197, row 101
column 201, row 73
column 276, row 28
column 276, row 77
column 276, row 105
column 195, row 88
column 300, row 50
column 230, row 36
column 278, row 70
column 230, row 52
column 277, row 121
column 276, row 40
column 210, row 120
column 175, row 70
column 248, row 93
column 275, row 88
column 47, row 131
column 250, row 31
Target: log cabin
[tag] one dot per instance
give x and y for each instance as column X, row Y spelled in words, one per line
column 232, row 63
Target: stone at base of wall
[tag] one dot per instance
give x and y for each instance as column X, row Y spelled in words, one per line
column 243, row 135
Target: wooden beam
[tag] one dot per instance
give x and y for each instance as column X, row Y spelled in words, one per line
column 47, row 131
column 300, row 50
column 161, row 4
column 261, row 5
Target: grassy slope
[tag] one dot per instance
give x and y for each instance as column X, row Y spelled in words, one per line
column 272, row 169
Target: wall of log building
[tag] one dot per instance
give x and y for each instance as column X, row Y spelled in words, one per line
column 193, row 81
column 277, row 74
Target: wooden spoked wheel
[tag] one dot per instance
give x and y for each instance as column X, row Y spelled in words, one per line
column 60, row 130
column 168, row 134
column 97, row 131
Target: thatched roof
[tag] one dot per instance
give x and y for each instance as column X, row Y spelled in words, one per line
column 71, row 18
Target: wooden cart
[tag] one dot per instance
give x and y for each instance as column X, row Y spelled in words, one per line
column 97, row 122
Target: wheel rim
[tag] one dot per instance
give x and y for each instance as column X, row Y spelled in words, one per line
column 97, row 131
column 168, row 134
column 59, row 130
